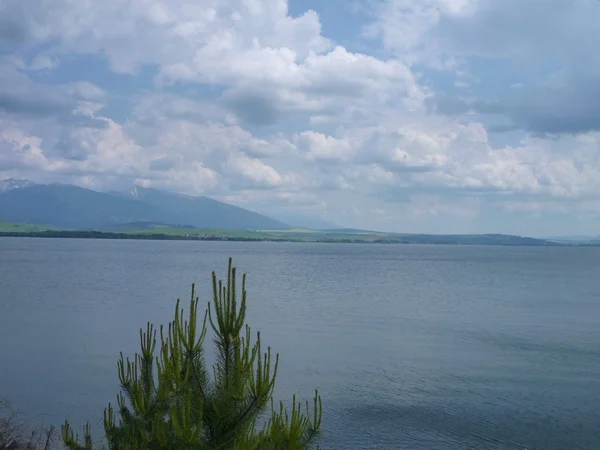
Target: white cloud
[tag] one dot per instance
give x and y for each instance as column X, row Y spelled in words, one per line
column 320, row 147
column 254, row 170
column 260, row 108
column 429, row 29
column 19, row 151
column 270, row 64
column 547, row 47
column 428, row 168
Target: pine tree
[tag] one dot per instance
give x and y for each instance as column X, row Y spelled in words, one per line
column 172, row 400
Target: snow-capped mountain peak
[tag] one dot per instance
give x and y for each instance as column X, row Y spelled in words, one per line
column 10, row 184
column 134, row 193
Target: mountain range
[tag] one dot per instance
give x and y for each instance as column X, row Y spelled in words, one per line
column 69, row 206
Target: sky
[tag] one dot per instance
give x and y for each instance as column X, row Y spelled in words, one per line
column 430, row 116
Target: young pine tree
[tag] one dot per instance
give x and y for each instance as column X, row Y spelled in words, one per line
column 173, row 401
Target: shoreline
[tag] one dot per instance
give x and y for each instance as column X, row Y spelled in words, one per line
column 494, row 240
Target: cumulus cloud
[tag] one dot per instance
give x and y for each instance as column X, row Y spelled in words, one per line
column 535, row 29
column 548, row 46
column 19, row 151
column 268, row 63
column 70, row 102
column 244, row 102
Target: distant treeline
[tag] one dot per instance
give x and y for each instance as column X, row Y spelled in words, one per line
column 82, row 234
column 486, row 239
column 110, row 235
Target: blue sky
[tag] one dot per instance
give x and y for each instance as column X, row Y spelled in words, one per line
column 416, row 116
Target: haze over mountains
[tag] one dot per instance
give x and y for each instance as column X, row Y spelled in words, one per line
column 76, row 207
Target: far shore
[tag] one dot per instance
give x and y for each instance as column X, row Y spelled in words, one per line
column 423, row 239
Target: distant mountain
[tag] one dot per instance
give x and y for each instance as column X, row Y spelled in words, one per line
column 76, row 207
column 203, row 212
column 306, row 221
column 70, row 206
column 10, row 184
column 142, row 226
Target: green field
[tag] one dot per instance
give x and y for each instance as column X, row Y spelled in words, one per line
column 176, row 231
column 292, row 234
column 292, row 230
column 328, row 235
column 304, row 235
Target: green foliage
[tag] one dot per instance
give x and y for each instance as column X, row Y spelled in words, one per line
column 9, row 227
column 172, row 400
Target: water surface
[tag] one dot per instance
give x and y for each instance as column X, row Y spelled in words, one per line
column 411, row 347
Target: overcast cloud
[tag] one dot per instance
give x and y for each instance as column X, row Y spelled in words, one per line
column 434, row 116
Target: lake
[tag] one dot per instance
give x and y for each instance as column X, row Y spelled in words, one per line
column 411, row 347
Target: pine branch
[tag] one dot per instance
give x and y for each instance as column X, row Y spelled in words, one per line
column 179, row 407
